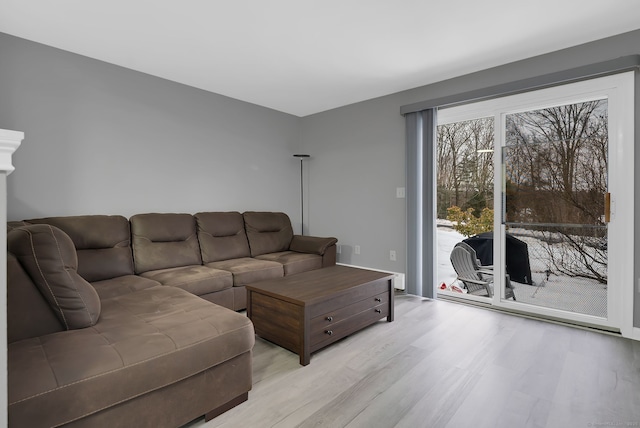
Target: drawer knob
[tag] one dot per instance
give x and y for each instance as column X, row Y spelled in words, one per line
column 378, row 299
column 329, row 332
column 378, row 311
column 329, row 318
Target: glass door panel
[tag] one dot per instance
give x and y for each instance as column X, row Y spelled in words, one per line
column 465, row 199
column 555, row 164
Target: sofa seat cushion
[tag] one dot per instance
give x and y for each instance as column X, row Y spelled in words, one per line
column 294, row 262
column 143, row 341
column 246, row 270
column 195, row 279
column 122, row 285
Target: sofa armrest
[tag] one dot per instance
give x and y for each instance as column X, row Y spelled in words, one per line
column 311, row 244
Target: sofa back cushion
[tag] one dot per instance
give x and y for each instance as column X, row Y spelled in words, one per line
column 268, row 232
column 48, row 256
column 162, row 241
column 103, row 244
column 17, row 223
column 222, row 236
column 28, row 313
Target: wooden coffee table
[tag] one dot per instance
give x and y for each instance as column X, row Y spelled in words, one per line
column 310, row 310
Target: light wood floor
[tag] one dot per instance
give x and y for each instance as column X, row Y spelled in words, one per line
column 443, row 364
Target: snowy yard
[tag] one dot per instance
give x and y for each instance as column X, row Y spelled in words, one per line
column 579, row 295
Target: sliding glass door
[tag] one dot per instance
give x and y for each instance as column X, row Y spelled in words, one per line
column 538, row 189
column 555, row 163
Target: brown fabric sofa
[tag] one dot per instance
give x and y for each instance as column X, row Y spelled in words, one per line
column 210, row 254
column 104, row 326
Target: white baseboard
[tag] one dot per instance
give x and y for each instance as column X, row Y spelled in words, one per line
column 398, row 279
column 635, row 334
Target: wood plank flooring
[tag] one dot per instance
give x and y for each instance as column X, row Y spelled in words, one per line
column 444, row 364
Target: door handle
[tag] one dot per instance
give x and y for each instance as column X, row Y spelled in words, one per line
column 607, row 207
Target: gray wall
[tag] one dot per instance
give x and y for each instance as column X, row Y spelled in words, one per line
column 359, row 155
column 104, row 139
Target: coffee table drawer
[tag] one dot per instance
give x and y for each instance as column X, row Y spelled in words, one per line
column 326, row 320
column 321, row 338
column 354, row 295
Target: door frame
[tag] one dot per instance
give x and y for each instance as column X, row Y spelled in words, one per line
column 619, row 90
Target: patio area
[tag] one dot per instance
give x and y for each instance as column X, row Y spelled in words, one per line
column 580, row 295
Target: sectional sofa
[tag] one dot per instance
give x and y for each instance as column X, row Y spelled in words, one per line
column 111, row 321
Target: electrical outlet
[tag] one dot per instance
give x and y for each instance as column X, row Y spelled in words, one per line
column 392, row 255
column 400, row 192
column 356, row 249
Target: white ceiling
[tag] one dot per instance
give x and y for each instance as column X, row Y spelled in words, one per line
column 307, row 56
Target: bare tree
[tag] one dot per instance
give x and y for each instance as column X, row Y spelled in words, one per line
column 557, row 173
column 564, row 152
column 465, row 165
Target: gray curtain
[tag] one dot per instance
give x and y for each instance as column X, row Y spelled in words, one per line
column 421, row 209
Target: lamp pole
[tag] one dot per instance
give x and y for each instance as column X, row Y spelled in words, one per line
column 301, row 157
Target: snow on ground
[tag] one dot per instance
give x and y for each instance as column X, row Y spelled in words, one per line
column 447, row 239
column 579, row 295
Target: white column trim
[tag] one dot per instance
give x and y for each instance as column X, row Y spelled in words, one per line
column 9, row 142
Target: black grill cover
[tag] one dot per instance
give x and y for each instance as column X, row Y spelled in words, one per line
column 517, row 255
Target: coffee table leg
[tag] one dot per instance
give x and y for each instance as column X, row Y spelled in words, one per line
column 305, row 355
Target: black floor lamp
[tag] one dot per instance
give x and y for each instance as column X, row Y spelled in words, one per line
column 302, row 158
